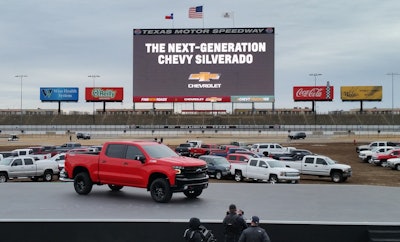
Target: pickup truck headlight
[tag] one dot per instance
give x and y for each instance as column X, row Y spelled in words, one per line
column 178, row 169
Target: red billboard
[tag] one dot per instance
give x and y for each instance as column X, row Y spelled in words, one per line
column 196, row 65
column 104, row 94
column 313, row 93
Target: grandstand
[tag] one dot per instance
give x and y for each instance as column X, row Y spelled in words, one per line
column 203, row 119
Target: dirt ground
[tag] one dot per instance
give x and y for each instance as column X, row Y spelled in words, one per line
column 341, row 149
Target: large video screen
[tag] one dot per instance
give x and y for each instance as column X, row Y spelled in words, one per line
column 203, row 65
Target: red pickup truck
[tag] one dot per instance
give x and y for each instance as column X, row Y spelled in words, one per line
column 143, row 164
column 380, row 159
column 204, row 149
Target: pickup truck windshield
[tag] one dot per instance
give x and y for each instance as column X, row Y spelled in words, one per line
column 159, row 151
column 6, row 161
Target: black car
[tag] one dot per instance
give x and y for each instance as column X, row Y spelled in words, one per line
column 217, row 166
column 297, row 135
column 83, row 136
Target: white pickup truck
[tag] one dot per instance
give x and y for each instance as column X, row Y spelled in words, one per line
column 374, row 144
column 322, row 166
column 26, row 167
column 30, row 152
column 266, row 169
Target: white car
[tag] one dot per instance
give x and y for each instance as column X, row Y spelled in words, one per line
column 366, row 155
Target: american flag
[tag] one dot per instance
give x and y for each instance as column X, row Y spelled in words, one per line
column 196, row 12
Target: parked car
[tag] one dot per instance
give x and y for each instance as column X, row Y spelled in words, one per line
column 83, row 136
column 217, row 166
column 297, row 135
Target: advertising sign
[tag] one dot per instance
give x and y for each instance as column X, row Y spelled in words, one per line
column 56, row 94
column 313, row 93
column 178, row 65
column 361, row 93
column 101, row 94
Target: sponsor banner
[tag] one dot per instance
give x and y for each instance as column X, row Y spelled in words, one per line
column 100, row 94
column 56, row 94
column 203, row 62
column 361, row 93
column 313, row 93
column 181, row 99
column 252, row 99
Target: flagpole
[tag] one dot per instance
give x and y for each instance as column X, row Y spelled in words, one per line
column 203, row 15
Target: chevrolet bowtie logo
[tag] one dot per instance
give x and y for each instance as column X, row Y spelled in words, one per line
column 204, row 76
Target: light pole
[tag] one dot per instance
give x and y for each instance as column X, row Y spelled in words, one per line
column 94, row 76
column 314, row 106
column 393, row 74
column 21, row 77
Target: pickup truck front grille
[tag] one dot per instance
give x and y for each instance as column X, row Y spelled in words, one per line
column 193, row 172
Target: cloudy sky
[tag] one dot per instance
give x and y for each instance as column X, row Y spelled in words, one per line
column 59, row 43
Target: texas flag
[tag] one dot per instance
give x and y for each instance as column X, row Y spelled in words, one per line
column 171, row 16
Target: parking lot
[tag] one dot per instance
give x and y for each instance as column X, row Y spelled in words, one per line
column 341, row 149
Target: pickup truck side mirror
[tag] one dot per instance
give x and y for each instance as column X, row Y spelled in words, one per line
column 140, row 158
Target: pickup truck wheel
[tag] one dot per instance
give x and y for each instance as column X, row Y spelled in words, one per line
column 82, row 183
column 218, row 175
column 115, row 187
column 398, row 167
column 3, row 177
column 273, row 179
column 160, row 190
column 238, row 176
column 337, row 177
column 48, row 176
column 193, row 193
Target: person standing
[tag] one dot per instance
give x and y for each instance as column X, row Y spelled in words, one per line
column 233, row 225
column 254, row 233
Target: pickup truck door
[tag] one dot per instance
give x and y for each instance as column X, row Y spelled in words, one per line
column 29, row 167
column 119, row 166
column 262, row 172
column 320, row 167
column 251, row 168
column 16, row 168
column 307, row 166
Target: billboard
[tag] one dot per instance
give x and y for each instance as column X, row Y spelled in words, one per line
column 313, row 93
column 102, row 94
column 59, row 94
column 203, row 65
column 361, row 93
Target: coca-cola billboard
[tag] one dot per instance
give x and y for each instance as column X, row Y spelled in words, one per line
column 313, row 93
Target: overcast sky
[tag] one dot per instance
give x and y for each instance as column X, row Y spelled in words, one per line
column 58, row 43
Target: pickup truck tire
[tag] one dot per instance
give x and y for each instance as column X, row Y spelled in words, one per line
column 160, row 190
column 238, row 176
column 3, row 177
column 218, row 175
column 193, row 193
column 115, row 187
column 48, row 176
column 398, row 167
column 82, row 183
column 273, row 179
column 337, row 176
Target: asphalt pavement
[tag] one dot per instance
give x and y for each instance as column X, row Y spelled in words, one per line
column 273, row 203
